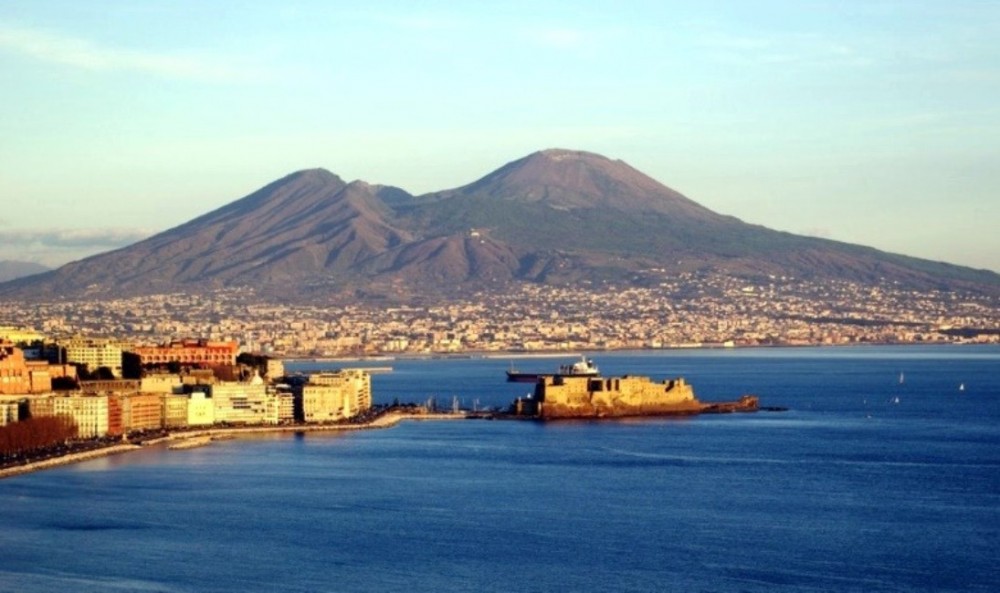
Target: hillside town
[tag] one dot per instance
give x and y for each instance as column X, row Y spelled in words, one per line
column 687, row 311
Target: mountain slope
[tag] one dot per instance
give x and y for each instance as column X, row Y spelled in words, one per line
column 555, row 216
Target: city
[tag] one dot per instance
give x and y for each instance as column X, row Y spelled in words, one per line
column 687, row 311
column 141, row 367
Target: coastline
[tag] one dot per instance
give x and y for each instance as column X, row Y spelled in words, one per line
column 201, row 437
column 548, row 354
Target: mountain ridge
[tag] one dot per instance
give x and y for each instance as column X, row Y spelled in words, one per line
column 554, row 216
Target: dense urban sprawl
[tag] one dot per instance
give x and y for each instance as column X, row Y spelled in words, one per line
column 690, row 310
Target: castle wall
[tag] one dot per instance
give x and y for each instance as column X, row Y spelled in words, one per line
column 589, row 397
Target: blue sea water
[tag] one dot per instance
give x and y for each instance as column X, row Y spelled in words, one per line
column 866, row 483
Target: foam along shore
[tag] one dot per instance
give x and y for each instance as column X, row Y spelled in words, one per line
column 188, row 439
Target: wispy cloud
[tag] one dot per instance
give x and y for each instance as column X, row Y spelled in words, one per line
column 56, row 246
column 85, row 54
column 786, row 48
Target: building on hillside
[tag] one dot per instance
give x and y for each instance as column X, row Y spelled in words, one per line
column 244, row 403
column 201, row 353
column 94, row 353
column 14, row 375
column 115, row 386
column 18, row 375
column 62, row 371
column 40, row 375
column 161, row 383
column 275, row 369
column 336, row 396
column 199, row 377
column 89, row 412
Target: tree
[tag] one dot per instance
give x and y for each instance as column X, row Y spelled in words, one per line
column 104, row 374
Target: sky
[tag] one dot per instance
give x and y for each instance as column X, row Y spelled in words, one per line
column 870, row 122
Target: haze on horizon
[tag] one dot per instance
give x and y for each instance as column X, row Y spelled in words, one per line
column 866, row 122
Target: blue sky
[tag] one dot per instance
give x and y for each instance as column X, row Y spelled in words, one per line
column 868, row 122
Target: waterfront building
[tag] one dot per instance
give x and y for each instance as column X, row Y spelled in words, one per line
column 116, row 423
column 94, row 353
column 335, row 396
column 142, row 411
column 41, row 405
column 200, row 409
column 9, row 412
column 89, row 412
column 286, row 406
column 322, row 403
column 175, row 410
column 244, row 402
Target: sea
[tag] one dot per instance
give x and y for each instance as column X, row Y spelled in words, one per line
column 883, row 474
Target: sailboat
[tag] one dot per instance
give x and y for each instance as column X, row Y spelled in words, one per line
column 961, row 386
column 901, row 378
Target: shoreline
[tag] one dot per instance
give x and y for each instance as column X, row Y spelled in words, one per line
column 544, row 354
column 206, row 436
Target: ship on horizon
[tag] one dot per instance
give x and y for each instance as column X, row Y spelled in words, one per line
column 584, row 367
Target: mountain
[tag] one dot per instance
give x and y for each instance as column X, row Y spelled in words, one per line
column 555, row 216
column 10, row 269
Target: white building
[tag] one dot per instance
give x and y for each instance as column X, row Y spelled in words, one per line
column 244, row 403
column 335, row 396
column 94, row 353
column 90, row 412
column 201, row 409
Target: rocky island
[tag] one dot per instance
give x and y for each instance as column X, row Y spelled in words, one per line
column 565, row 396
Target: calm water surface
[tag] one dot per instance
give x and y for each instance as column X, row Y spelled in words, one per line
column 865, row 484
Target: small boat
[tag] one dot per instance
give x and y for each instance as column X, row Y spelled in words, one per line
column 584, row 367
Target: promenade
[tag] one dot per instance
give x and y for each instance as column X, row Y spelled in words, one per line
column 204, row 437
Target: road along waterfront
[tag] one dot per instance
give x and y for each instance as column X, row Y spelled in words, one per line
column 205, row 436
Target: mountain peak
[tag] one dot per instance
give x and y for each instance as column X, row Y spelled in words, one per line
column 318, row 175
column 572, row 179
column 563, row 154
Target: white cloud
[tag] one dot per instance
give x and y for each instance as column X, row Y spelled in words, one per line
column 85, row 54
column 56, row 246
